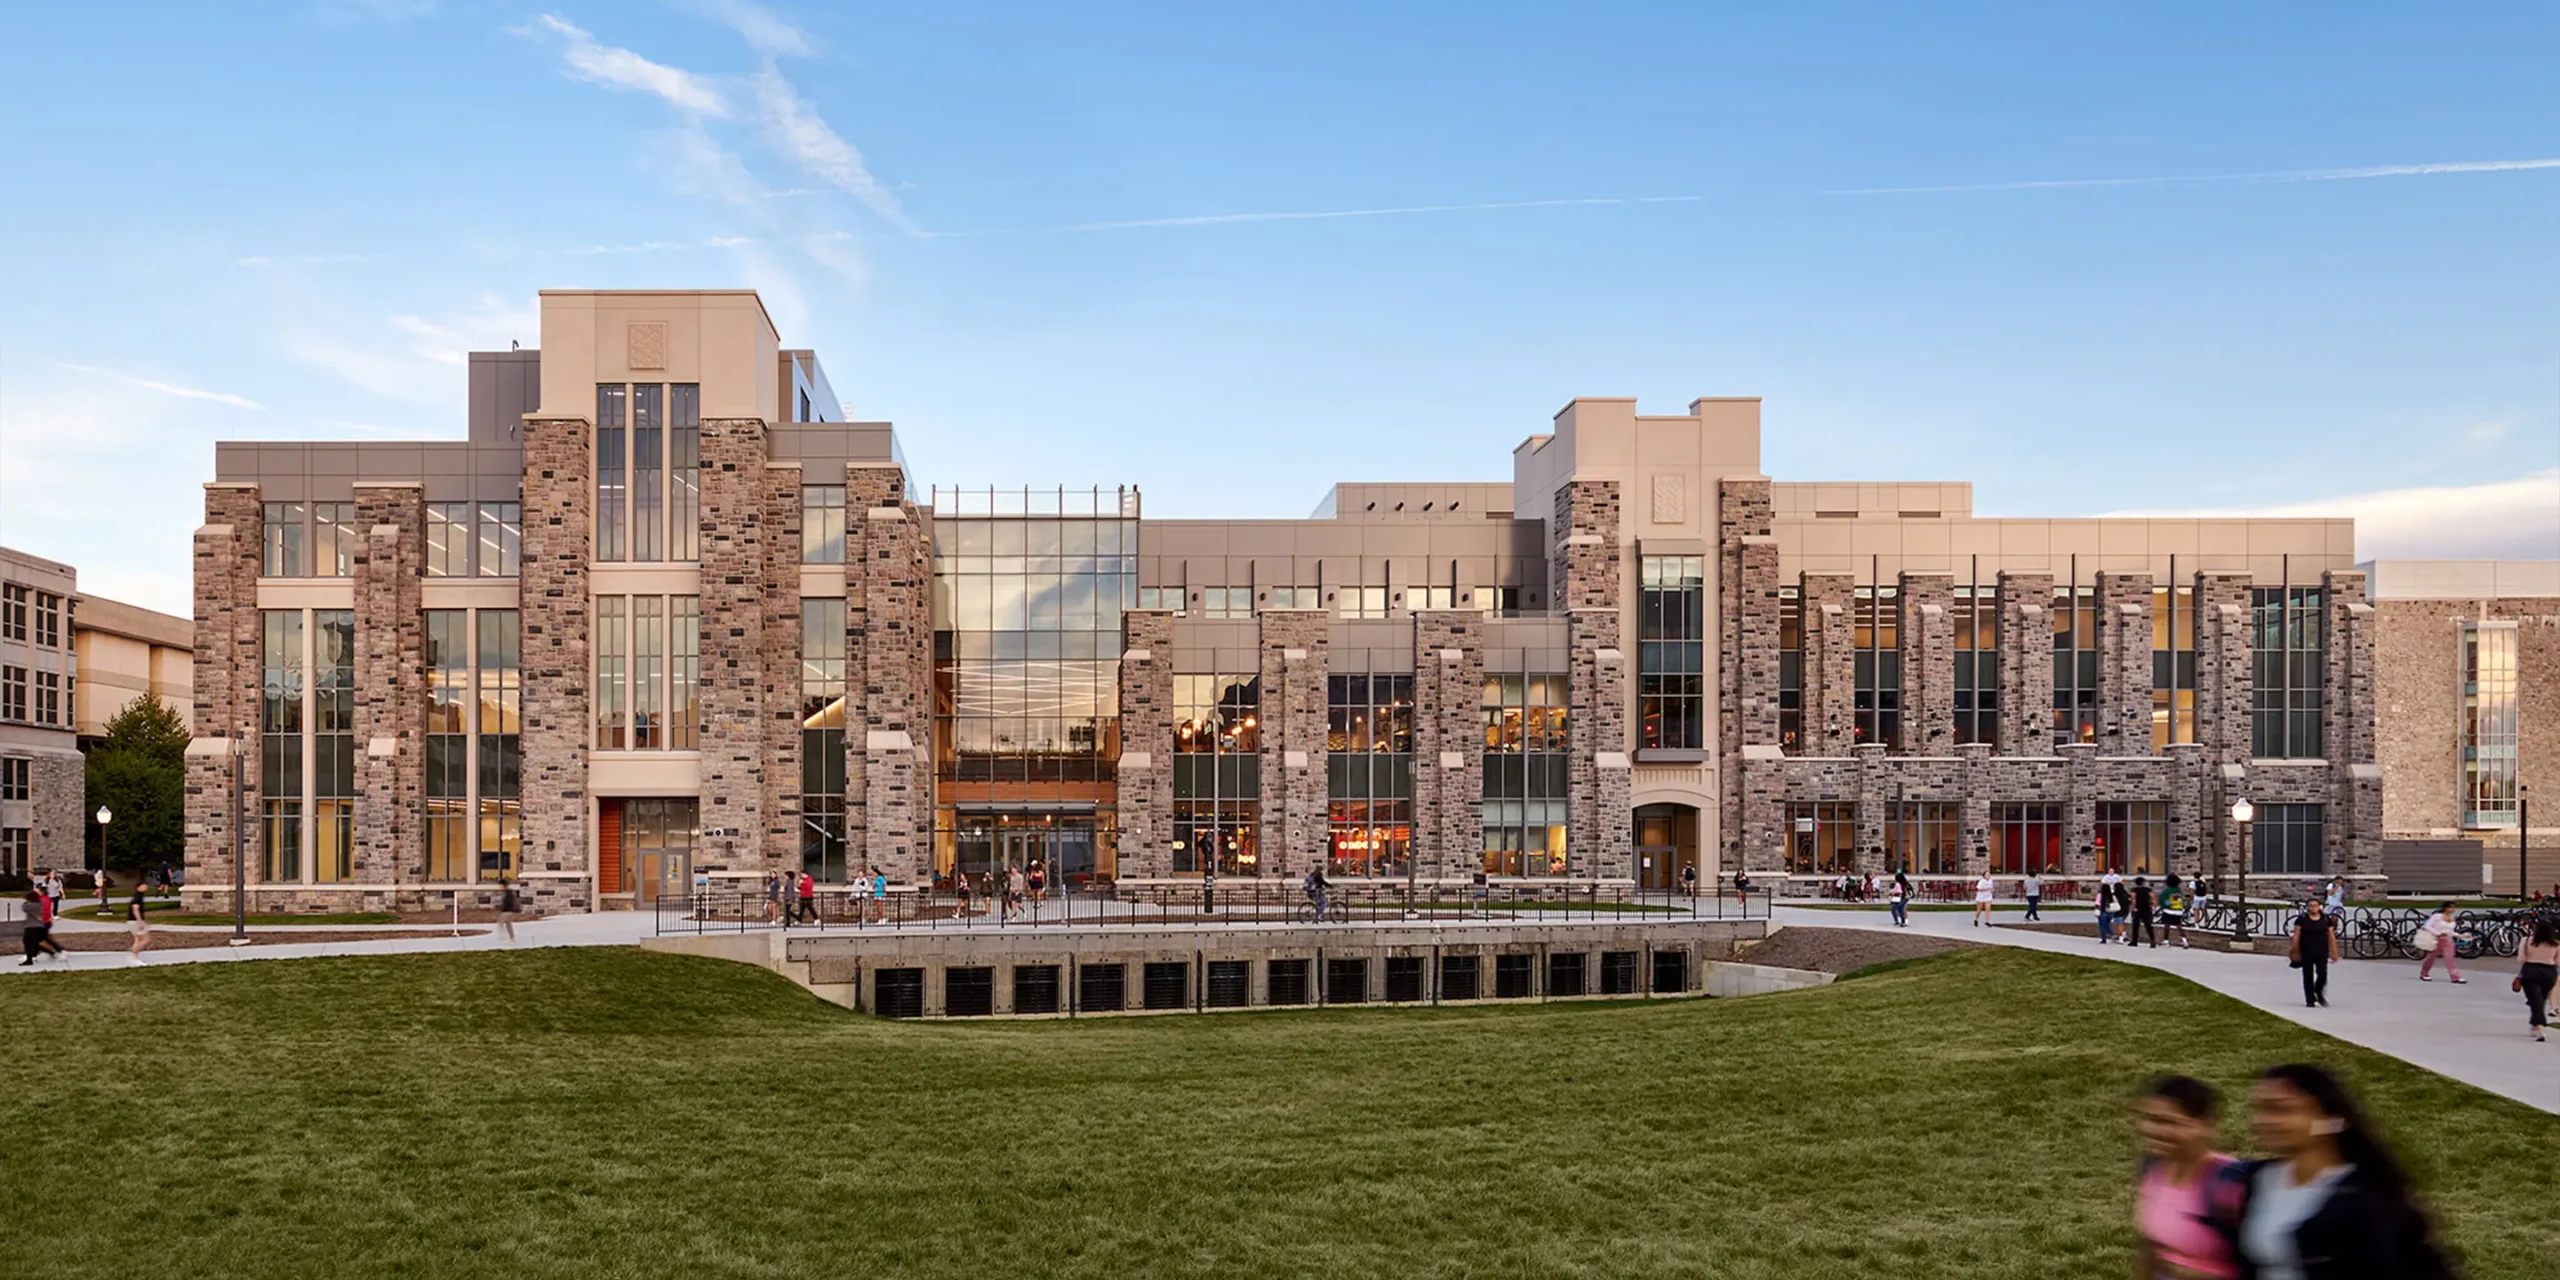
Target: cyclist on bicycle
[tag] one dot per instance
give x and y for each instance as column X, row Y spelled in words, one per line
column 1317, row 888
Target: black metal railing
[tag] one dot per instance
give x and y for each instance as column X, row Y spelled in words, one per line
column 716, row 908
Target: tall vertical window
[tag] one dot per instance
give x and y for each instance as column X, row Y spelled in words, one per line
column 1977, row 677
column 648, row 673
column 1924, row 838
column 648, row 472
column 1671, row 695
column 2133, row 837
column 448, row 788
column 333, row 744
column 822, row 524
column 14, row 774
column 280, row 725
column 13, row 612
column 1790, row 670
column 448, row 539
column 2075, row 664
column 48, row 620
column 684, row 471
column 2289, row 658
column 2286, row 839
column 283, row 542
column 684, row 672
column 822, row 729
column 1822, row 837
column 1524, row 773
column 2489, row 724
column 613, row 480
column 13, row 693
column 333, row 539
column 1877, row 665
column 1369, row 735
column 2173, row 663
column 500, row 674
column 2026, row 837
column 613, row 671
column 1217, row 779
column 48, row 697
column 501, row 539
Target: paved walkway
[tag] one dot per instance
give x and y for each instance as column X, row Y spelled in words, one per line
column 2474, row 1032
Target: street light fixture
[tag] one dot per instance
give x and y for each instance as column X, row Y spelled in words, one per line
column 2242, row 812
column 105, row 816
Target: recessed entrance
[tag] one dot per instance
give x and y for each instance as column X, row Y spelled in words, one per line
column 1666, row 841
column 648, row 844
column 990, row 846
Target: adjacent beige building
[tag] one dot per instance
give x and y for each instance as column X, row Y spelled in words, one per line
column 42, row 783
column 126, row 652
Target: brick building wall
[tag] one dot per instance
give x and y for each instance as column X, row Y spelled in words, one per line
column 1747, row 677
column 2124, row 664
column 226, row 550
column 1927, row 634
column 778, row 686
column 1829, row 665
column 889, row 671
column 558, row 724
column 1295, row 800
column 389, row 843
column 1448, row 743
column 2026, row 664
column 1146, row 736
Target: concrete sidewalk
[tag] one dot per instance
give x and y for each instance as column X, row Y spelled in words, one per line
column 603, row 929
column 2474, row 1032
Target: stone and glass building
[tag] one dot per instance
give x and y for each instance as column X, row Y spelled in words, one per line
column 663, row 612
column 2468, row 657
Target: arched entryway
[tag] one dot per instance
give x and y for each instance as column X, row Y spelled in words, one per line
column 1666, row 841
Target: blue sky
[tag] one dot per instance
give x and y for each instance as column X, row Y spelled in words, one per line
column 2091, row 258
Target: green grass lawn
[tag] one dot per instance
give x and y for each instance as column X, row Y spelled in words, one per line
column 608, row 1113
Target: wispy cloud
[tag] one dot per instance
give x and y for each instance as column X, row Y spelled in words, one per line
column 1306, row 215
column 2279, row 175
column 763, row 30
column 796, row 132
column 2502, row 519
column 168, row 388
column 663, row 246
column 623, row 71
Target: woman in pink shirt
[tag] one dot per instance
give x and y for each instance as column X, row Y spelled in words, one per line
column 2188, row 1206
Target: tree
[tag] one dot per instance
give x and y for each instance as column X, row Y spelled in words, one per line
column 139, row 771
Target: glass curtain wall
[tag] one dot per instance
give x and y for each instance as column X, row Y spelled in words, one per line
column 1369, row 773
column 448, row 731
column 280, row 725
column 2489, row 725
column 648, row 471
column 2075, row 661
column 822, row 717
column 1671, row 697
column 2289, row 659
column 2173, row 662
column 1524, row 773
column 1791, row 670
column 1977, row 675
column 1217, row 774
column 1878, row 663
column 1029, row 586
column 333, row 745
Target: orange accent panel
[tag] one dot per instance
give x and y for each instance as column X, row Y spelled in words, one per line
column 609, row 844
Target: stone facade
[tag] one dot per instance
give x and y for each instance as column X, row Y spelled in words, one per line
column 1926, row 632
column 1147, row 741
column 889, row 672
column 2124, row 664
column 732, row 684
column 2416, row 667
column 1590, row 572
column 391, row 687
column 2026, row 664
column 1829, row 665
column 226, row 691
column 778, row 706
column 1296, row 805
column 1747, row 679
column 558, row 716
column 1448, row 744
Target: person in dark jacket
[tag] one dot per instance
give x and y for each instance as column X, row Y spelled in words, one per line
column 2331, row 1203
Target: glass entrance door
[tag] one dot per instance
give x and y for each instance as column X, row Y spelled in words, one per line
column 657, row 845
column 989, row 847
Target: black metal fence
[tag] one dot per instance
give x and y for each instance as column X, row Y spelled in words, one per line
column 2381, row 933
column 1160, row 904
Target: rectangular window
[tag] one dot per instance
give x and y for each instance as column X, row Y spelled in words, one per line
column 613, row 657
column 14, row 847
column 2133, row 837
column 1369, row 771
column 448, row 539
column 822, row 524
column 48, row 620
column 684, row 672
column 2286, row 840
column 280, row 742
column 822, row 742
column 1226, row 602
column 501, row 539
column 648, row 671
column 13, row 693
column 1524, row 773
column 2489, row 724
column 1925, row 837
column 2289, row 659
column 1360, row 602
column 1822, row 837
column 13, row 612
column 2075, row 664
column 1977, row 653
column 333, row 743
column 648, row 472
column 613, row 482
column 48, row 697
column 684, row 472
column 333, row 539
column 1671, row 674
column 283, row 524
column 1217, row 781
column 2026, row 838
column 1876, row 667
column 499, row 671
column 448, row 742
column 2173, row 664
column 14, row 773
column 1790, row 670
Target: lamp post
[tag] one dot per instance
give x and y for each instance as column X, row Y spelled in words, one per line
column 105, row 815
column 2241, row 812
column 2524, row 846
column 239, row 842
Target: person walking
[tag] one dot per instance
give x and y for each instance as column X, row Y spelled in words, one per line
column 2173, row 910
column 2314, row 945
column 2138, row 918
column 773, row 897
column 2539, row 973
column 38, row 935
column 510, row 905
column 139, row 921
column 100, row 882
column 2106, row 914
column 1017, row 888
column 1982, row 900
column 880, row 893
column 2337, row 898
column 1039, row 882
column 2187, row 1199
column 808, row 897
column 2436, row 936
column 1901, row 892
column 1689, row 879
column 2033, row 887
column 960, row 886
column 2330, row 1202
